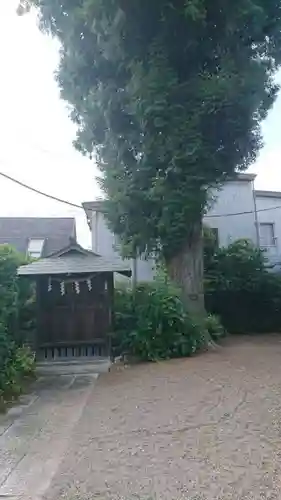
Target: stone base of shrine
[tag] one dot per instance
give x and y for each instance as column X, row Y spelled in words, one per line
column 79, row 366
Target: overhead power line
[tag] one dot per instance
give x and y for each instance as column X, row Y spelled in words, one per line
column 216, row 216
column 34, row 190
column 75, row 205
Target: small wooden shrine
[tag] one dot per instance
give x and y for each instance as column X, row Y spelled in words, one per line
column 74, row 291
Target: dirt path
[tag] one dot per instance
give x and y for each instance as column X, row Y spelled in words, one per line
column 203, row 428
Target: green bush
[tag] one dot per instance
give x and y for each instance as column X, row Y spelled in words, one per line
column 214, row 327
column 152, row 324
column 16, row 323
column 241, row 291
column 17, row 365
column 17, row 297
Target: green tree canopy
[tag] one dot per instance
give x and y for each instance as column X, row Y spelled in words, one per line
column 168, row 96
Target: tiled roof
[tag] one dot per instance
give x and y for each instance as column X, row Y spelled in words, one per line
column 74, row 260
column 56, row 231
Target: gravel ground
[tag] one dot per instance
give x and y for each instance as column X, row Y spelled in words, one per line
column 206, row 428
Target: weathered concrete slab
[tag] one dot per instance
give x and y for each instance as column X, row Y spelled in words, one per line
column 74, row 367
column 34, row 436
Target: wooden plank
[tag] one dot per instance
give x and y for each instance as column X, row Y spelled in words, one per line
column 75, row 324
column 73, row 343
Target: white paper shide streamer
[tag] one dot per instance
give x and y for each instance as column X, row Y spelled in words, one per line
column 62, row 288
column 75, row 284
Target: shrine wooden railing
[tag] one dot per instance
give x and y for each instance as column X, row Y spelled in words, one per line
column 72, row 350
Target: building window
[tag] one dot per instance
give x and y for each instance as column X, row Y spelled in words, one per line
column 267, row 237
column 35, row 247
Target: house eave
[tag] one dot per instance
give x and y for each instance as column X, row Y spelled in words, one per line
column 245, row 177
column 267, row 194
column 90, row 207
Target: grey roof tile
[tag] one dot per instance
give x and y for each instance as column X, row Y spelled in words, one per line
column 56, row 231
column 74, row 260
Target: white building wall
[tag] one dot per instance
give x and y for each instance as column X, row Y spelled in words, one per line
column 235, row 196
column 104, row 243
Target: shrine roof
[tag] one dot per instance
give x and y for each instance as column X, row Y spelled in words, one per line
column 72, row 260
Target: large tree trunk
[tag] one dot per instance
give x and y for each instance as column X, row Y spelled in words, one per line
column 185, row 269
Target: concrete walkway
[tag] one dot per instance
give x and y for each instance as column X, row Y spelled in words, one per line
column 34, row 435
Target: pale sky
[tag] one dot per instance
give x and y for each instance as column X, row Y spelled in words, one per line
column 36, row 132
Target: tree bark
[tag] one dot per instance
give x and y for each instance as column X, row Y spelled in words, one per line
column 186, row 270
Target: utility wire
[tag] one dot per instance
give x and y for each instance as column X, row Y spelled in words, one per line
column 16, row 181
column 216, row 216
column 60, row 200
